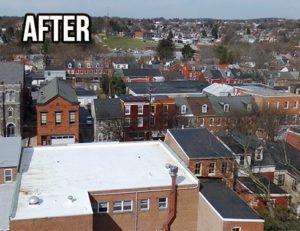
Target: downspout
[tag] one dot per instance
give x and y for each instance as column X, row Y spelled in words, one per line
column 173, row 198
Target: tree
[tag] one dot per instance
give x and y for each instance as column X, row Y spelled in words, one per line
column 225, row 56
column 170, row 35
column 165, row 49
column 214, row 32
column 187, row 52
column 248, row 32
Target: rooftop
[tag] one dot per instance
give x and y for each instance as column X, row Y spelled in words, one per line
column 199, row 143
column 225, row 201
column 6, row 194
column 108, row 108
column 11, row 73
column 10, row 151
column 141, row 72
column 263, row 90
column 54, row 173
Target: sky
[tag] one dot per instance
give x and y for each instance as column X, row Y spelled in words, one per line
column 217, row 9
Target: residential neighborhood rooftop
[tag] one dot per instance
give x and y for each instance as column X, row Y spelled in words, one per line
column 10, row 151
column 263, row 90
column 55, row 173
column 11, row 72
column 108, row 108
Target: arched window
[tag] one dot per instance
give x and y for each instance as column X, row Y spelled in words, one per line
column 10, row 130
column 183, row 109
column 10, row 112
column 69, row 65
column 204, row 108
column 79, row 65
column 226, row 107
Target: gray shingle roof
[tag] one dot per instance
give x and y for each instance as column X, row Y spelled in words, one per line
column 108, row 108
column 11, row 73
column 57, row 87
column 225, row 201
column 10, row 151
column 141, row 72
column 199, row 143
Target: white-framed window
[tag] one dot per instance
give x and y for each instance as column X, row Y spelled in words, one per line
column 103, row 207
column 294, row 119
column 242, row 160
column 280, row 179
column 224, row 167
column 236, row 229
column 88, row 65
column 249, row 107
column 163, row 203
column 226, row 107
column 72, row 116
column 57, row 118
column 8, row 177
column 211, row 168
column 259, row 153
column 286, row 105
column 144, row 204
column 140, row 122
column 295, row 105
column 10, row 112
column 183, row 109
column 79, row 65
column 127, row 122
column 122, row 206
column 97, row 65
column 211, row 122
column 277, row 104
column 201, row 122
column 198, row 169
column 43, row 118
column 69, row 65
column 127, row 109
column 140, row 109
column 204, row 108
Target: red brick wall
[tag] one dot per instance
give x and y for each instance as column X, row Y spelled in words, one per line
column 245, row 226
column 58, row 104
column 293, row 139
column 154, row 218
column 14, row 173
column 74, row 223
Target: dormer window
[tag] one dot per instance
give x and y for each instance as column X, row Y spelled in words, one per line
column 249, row 107
column 88, row 65
column 97, row 65
column 259, row 153
column 79, row 65
column 226, row 107
column 204, row 108
column 183, row 109
column 69, row 65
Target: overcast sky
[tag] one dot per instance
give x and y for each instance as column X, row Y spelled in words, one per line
column 219, row 9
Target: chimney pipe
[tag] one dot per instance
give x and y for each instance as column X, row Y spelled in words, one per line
column 173, row 170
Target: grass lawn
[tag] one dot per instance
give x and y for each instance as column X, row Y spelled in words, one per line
column 126, row 43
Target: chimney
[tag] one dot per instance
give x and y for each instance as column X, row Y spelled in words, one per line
column 173, row 170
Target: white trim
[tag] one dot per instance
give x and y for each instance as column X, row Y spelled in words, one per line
column 98, row 207
column 229, row 219
column 148, row 205
column 167, row 204
column 5, row 175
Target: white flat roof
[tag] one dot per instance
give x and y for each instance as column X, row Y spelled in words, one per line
column 54, row 173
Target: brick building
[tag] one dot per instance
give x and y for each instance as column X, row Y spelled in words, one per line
column 105, row 186
column 203, row 153
column 192, row 72
column 293, row 137
column 57, row 114
column 220, row 208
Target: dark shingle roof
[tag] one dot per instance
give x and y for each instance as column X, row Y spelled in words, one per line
column 216, row 74
column 141, row 72
column 225, row 201
column 108, row 108
column 57, row 87
column 11, row 73
column 83, row 92
column 274, row 189
column 199, row 143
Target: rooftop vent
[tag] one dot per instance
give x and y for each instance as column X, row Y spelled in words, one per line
column 71, row 199
column 173, row 169
column 34, row 200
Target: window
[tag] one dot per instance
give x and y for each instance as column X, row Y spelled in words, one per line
column 198, row 168
column 249, row 107
column 277, row 104
column 163, row 203
column 219, row 122
column 43, row 118
column 72, row 117
column 152, row 109
column 224, row 167
column 10, row 112
column 122, row 206
column 236, row 229
column 103, row 207
column 8, row 175
column 226, row 108
column 204, row 108
column 144, row 204
column 280, row 180
column 201, row 122
column 242, row 160
column 165, row 109
column 88, row 65
column 69, row 65
column 258, row 153
column 127, row 122
column 140, row 109
column 127, row 109
column 183, row 109
column 294, row 185
column 49, row 73
column 211, row 169
column 140, row 122
column 286, row 105
column 294, row 119
column 211, row 122
column 58, row 118
column 295, row 104
column 79, row 65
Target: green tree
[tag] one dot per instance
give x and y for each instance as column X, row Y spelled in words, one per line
column 224, row 55
column 187, row 52
column 165, row 49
